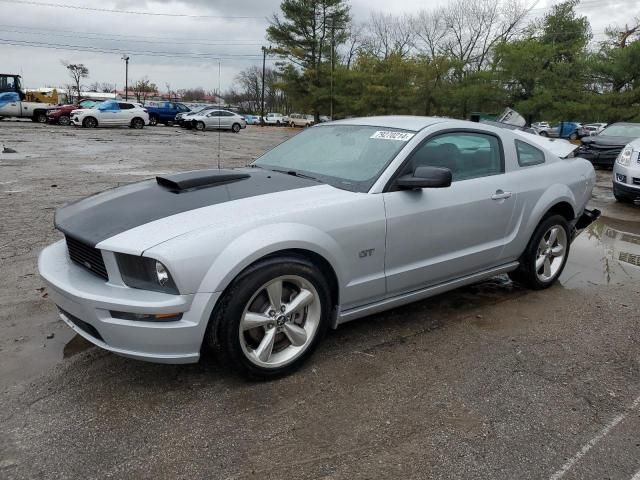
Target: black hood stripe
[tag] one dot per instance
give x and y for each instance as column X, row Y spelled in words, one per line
column 112, row 212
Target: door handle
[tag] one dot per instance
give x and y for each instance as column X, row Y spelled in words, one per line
column 500, row 195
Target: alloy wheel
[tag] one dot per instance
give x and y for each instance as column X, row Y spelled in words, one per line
column 280, row 321
column 551, row 252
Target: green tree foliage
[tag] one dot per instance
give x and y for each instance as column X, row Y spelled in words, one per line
column 306, row 35
column 468, row 56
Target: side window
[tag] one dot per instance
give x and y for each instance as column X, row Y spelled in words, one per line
column 466, row 154
column 528, row 155
column 109, row 107
column 227, row 114
column 125, row 106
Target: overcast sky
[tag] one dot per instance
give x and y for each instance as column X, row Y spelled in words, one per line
column 234, row 30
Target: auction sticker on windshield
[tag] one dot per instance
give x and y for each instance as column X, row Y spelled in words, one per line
column 390, row 135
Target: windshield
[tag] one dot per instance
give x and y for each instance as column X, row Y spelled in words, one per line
column 345, row 156
column 622, row 130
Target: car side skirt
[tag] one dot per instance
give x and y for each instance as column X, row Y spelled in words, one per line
column 410, row 297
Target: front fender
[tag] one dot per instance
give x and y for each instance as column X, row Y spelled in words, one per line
column 265, row 240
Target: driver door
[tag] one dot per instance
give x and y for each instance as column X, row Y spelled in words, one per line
column 439, row 234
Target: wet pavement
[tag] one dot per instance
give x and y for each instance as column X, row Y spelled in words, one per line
column 489, row 381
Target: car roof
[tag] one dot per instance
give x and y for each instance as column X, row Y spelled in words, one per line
column 404, row 122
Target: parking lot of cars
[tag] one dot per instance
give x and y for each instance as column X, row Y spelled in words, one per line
column 491, row 381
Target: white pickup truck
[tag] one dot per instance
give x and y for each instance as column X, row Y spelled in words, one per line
column 12, row 106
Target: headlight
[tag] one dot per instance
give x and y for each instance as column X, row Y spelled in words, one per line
column 145, row 273
column 624, row 158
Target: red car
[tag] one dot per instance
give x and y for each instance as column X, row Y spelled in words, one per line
column 62, row 113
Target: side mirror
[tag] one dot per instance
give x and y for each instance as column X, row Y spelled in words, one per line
column 425, row 177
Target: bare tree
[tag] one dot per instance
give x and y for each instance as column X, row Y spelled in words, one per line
column 467, row 30
column 77, row 71
column 354, row 42
column 389, row 35
column 430, row 31
column 143, row 88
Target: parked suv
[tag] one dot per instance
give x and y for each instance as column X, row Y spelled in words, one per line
column 165, row 112
column 300, row 120
column 276, row 119
column 111, row 114
column 626, row 173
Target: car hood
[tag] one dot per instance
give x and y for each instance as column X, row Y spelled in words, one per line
column 111, row 213
column 606, row 141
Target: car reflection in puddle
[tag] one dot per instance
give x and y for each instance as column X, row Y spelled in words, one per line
column 605, row 253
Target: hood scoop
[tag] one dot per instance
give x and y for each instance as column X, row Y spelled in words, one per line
column 181, row 182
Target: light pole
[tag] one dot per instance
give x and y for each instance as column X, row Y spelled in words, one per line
column 126, row 76
column 265, row 50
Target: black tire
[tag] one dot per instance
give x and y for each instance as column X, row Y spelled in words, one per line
column 235, row 128
column 573, row 136
column 543, row 134
column 225, row 320
column 200, row 126
column 64, row 120
column 137, row 123
column 526, row 273
column 90, row 122
column 40, row 117
column 153, row 120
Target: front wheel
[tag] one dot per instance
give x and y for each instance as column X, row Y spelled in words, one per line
column 200, row 126
column 235, row 128
column 543, row 134
column 90, row 122
column 64, row 120
column 546, row 254
column 153, row 120
column 272, row 317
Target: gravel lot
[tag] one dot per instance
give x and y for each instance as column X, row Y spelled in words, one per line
column 490, row 381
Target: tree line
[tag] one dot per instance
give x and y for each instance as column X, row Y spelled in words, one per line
column 468, row 56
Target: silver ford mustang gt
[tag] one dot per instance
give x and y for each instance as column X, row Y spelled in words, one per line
column 343, row 220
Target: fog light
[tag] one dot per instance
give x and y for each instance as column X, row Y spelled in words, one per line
column 621, row 178
column 147, row 317
column 162, row 274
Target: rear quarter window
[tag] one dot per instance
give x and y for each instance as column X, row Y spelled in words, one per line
column 528, row 155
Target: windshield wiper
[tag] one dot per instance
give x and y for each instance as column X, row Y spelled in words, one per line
column 295, row 173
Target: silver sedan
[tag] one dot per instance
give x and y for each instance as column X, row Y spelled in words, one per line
column 219, row 120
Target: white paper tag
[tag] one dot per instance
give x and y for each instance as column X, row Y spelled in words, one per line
column 391, row 135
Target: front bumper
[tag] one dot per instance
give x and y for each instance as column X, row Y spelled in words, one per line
column 83, row 296
column 605, row 157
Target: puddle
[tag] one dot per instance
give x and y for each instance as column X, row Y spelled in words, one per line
column 605, row 253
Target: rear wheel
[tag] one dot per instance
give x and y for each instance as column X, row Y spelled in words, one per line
column 272, row 317
column 64, row 120
column 90, row 122
column 235, row 128
column 137, row 123
column 40, row 117
column 200, row 126
column 546, row 254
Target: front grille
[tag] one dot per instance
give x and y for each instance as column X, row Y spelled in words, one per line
column 82, row 325
column 87, row 257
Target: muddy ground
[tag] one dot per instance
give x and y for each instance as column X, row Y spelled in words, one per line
column 491, row 381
